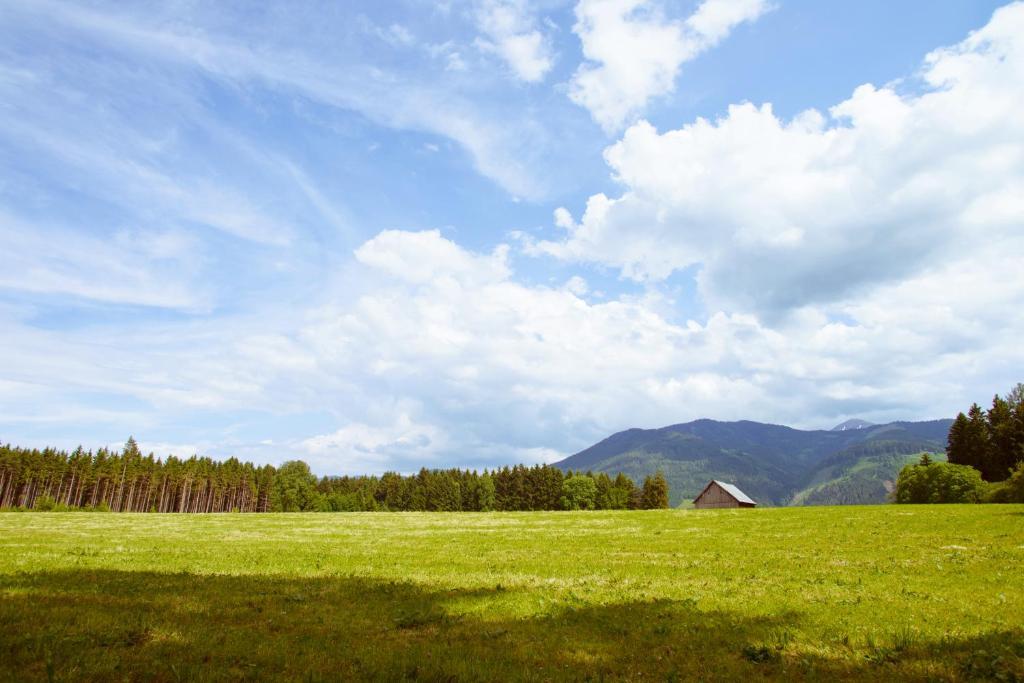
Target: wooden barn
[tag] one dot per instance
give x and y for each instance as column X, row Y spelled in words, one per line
column 718, row 494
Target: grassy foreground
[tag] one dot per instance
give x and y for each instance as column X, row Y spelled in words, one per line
column 918, row 593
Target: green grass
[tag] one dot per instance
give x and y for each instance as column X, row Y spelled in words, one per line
column 885, row 592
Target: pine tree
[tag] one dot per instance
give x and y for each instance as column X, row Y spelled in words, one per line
column 655, row 492
column 604, row 499
column 957, row 451
column 1001, row 439
column 977, row 442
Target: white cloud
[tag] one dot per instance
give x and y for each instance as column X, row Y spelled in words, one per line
column 359, row 447
column 634, row 51
column 715, row 19
column 509, row 30
column 819, row 209
column 577, row 285
column 423, row 257
column 441, row 357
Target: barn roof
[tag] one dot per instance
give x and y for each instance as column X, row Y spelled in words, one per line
column 732, row 490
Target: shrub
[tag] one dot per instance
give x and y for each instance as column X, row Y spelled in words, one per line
column 939, row 482
column 1009, row 491
column 48, row 504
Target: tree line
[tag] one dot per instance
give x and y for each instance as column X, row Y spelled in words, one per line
column 128, row 481
column 985, row 458
column 991, row 441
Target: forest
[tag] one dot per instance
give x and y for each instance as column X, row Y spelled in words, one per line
column 128, row 481
column 991, row 441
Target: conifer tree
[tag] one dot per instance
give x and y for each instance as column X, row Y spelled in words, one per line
column 976, row 441
column 957, row 450
column 655, row 492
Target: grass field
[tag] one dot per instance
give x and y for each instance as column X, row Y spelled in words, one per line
column 918, row 593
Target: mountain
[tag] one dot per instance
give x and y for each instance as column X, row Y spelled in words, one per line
column 852, row 424
column 774, row 464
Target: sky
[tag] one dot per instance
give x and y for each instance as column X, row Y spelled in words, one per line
column 383, row 236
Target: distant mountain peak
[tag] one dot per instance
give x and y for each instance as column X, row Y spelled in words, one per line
column 852, row 424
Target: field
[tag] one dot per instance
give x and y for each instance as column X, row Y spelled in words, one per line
column 884, row 592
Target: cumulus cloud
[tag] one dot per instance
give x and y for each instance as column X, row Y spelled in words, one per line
column 366, row 448
column 509, row 31
column 454, row 361
column 634, row 51
column 814, row 210
column 421, row 257
column 490, row 354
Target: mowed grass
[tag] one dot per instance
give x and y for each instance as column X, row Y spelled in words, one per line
column 884, row 592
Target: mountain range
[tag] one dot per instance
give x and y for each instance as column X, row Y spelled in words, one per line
column 854, row 463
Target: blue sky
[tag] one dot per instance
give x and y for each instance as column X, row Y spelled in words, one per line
column 385, row 235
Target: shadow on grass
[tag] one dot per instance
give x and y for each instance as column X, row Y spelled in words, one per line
column 114, row 625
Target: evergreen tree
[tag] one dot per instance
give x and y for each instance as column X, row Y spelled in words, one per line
column 957, row 449
column 442, row 492
column 418, row 492
column 976, row 441
column 655, row 492
column 604, row 491
column 990, row 441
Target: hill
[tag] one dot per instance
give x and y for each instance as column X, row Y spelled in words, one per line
column 775, row 464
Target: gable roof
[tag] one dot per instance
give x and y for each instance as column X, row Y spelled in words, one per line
column 731, row 489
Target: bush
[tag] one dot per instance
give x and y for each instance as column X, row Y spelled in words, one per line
column 939, row 482
column 48, row 504
column 1009, row 491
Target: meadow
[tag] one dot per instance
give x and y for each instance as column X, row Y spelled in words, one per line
column 858, row 593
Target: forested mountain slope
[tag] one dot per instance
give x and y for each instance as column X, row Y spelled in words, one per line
column 774, row 464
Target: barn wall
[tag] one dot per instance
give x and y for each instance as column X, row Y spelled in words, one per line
column 715, row 497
